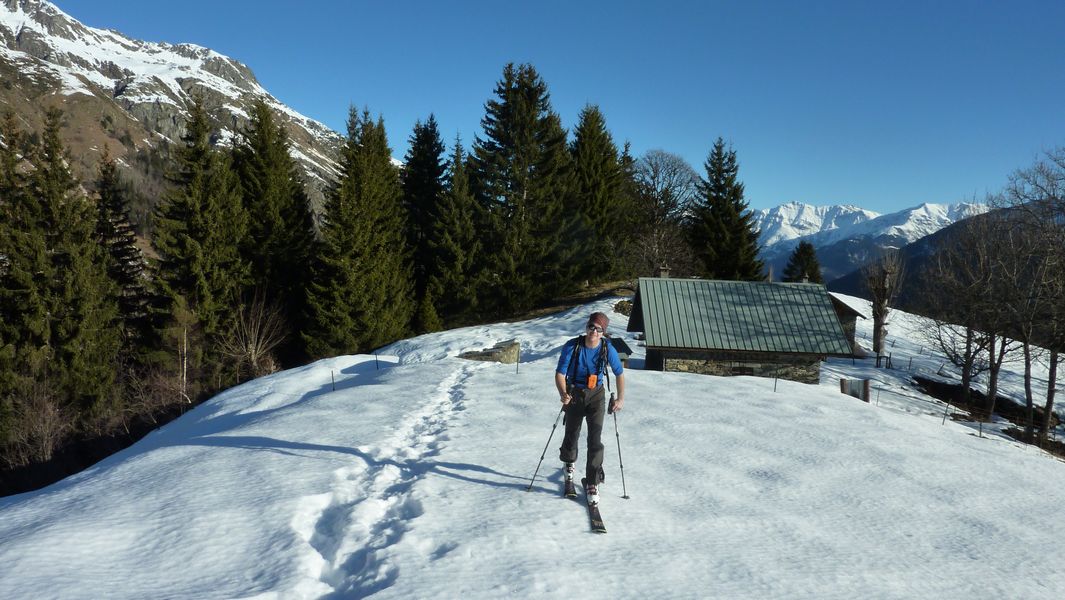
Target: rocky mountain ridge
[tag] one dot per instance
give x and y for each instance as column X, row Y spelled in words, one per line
column 846, row 236
column 132, row 96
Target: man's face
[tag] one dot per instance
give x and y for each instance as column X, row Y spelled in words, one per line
column 594, row 331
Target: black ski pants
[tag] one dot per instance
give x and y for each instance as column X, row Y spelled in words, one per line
column 587, row 405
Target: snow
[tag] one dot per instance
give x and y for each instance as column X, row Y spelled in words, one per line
column 319, row 159
column 87, row 60
column 145, row 62
column 783, row 227
column 404, row 474
column 794, row 220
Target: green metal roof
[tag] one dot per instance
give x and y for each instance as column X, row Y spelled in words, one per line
column 700, row 314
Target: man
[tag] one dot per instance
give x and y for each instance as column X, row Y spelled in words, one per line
column 580, row 378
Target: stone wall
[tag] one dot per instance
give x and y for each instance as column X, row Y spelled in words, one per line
column 794, row 367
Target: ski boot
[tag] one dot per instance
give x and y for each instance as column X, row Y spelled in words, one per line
column 591, row 491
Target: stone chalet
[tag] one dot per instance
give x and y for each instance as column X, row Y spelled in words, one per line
column 766, row 329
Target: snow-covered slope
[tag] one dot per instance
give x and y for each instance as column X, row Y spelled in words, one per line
column 845, row 236
column 51, row 58
column 408, row 478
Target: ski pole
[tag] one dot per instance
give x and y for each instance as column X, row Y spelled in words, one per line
column 553, row 427
column 624, row 490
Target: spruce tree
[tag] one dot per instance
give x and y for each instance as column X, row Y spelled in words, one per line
column 631, row 223
column 23, row 257
column 803, row 265
column 361, row 294
column 454, row 276
column 24, row 268
column 423, row 190
column 281, row 237
column 721, row 229
column 200, row 230
column 597, row 196
column 81, row 299
column 520, row 174
column 127, row 266
column 11, row 139
column 555, row 227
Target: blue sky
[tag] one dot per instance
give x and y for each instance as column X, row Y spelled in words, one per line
column 880, row 104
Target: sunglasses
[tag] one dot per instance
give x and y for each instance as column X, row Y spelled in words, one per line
column 595, row 328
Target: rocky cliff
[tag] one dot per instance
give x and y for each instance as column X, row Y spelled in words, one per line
column 132, row 97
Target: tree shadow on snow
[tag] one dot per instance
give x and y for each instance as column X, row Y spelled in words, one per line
column 416, row 468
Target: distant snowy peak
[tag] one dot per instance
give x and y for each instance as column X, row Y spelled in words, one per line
column 796, row 220
column 845, row 237
column 788, row 224
column 915, row 223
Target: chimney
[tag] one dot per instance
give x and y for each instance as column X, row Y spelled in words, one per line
column 663, row 271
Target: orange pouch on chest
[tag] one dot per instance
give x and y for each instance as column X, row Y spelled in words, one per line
column 592, row 380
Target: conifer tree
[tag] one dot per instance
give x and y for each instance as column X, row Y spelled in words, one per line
column 10, row 142
column 520, row 174
column 361, row 294
column 630, row 223
column 81, row 300
column 127, row 266
column 453, row 281
column 22, row 255
column 554, row 232
column 803, row 265
column 722, row 231
column 597, row 196
column 281, row 235
column 24, row 266
column 423, row 190
column 201, row 228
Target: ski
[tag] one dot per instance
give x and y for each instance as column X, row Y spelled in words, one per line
column 595, row 519
column 570, row 490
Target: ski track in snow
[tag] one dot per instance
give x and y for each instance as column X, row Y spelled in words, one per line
column 351, row 528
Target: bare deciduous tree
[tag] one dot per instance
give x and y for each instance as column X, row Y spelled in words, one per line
column 954, row 286
column 259, row 330
column 153, row 394
column 963, row 290
column 665, row 185
column 883, row 279
column 41, row 425
column 1032, row 261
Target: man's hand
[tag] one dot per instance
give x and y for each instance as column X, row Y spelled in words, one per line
column 565, row 398
column 616, row 404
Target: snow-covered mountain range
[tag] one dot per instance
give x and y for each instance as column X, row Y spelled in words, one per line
column 845, row 236
column 132, row 95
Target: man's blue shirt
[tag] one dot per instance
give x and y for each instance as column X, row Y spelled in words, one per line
column 587, row 362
